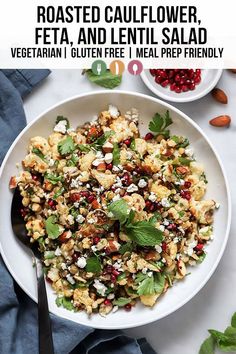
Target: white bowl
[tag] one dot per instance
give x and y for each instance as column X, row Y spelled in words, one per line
column 209, row 80
column 80, row 109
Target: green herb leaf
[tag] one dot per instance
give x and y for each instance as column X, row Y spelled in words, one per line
column 49, row 254
column 231, row 332
column 59, row 192
column 38, row 153
column 65, row 302
column 116, row 154
column 97, row 144
column 159, row 124
column 53, row 179
column 66, row 146
column 119, row 209
column 121, row 301
column 93, row 265
column 73, row 160
column 148, row 285
column 132, row 145
column 184, row 161
column 84, row 147
column 52, row 228
column 107, row 80
column 208, row 346
column 201, row 257
column 126, row 247
column 218, row 336
column 60, row 118
column 233, row 320
column 144, row 233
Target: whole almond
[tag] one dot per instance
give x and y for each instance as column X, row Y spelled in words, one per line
column 221, row 121
column 219, row 95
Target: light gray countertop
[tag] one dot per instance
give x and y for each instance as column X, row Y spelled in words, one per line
column 183, row 331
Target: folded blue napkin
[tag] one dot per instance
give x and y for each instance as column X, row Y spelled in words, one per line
column 18, row 313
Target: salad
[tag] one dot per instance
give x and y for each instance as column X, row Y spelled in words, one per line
column 117, row 217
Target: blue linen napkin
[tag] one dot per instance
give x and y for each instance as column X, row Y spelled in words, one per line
column 18, row 313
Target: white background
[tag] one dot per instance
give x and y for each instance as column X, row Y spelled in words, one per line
column 183, row 331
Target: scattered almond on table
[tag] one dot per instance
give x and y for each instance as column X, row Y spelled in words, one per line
column 221, row 121
column 219, row 95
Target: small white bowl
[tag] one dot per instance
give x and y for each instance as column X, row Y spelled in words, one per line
column 209, row 80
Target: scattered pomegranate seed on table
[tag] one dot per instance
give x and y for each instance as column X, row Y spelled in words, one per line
column 178, row 80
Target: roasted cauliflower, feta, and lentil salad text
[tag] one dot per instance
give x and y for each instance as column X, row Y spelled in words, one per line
column 117, row 217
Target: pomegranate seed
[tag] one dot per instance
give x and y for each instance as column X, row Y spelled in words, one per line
column 84, row 194
column 35, row 177
column 153, row 207
column 173, row 87
column 163, row 74
column 177, row 78
column 198, row 71
column 107, row 302
column 177, row 89
column 158, row 79
column 128, row 307
column 184, row 88
column 109, row 166
column 148, row 204
column 197, row 79
column 153, row 72
column 149, row 136
column 90, row 198
column 75, row 256
column 199, row 247
column 164, row 246
column 187, row 184
column 113, row 278
column 51, row 203
column 115, row 272
column 172, row 227
column 127, row 142
column 165, row 83
column 192, row 87
column 109, row 268
column 96, row 240
column 185, row 194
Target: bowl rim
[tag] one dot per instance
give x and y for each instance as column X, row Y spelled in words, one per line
column 189, row 120
column 178, row 99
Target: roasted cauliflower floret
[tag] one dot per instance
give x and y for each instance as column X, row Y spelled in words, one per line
column 40, row 143
column 81, row 296
column 106, row 180
column 86, row 161
column 203, row 210
column 123, row 129
column 35, row 163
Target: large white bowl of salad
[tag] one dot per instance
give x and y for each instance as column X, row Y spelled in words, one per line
column 127, row 201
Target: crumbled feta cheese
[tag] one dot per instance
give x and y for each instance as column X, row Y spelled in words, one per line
column 76, row 204
column 94, row 248
column 80, row 219
column 57, row 252
column 88, row 185
column 163, row 260
column 189, row 152
column 116, row 197
column 60, row 127
column 158, row 248
column 190, row 248
column 117, row 191
column 97, row 162
column 132, row 188
column 217, row 205
column 63, row 266
column 75, row 183
column 111, row 296
column 99, row 155
column 70, row 219
column 108, row 157
column 91, row 221
column 81, row 262
column 161, row 228
column 149, row 274
column 113, row 110
column 142, row 183
column 101, row 288
column 176, row 240
column 70, row 130
column 152, row 197
column 51, row 162
column 115, row 308
column 165, row 203
column 144, row 270
column 70, row 279
column 166, row 222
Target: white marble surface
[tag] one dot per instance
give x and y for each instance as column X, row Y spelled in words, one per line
column 183, row 331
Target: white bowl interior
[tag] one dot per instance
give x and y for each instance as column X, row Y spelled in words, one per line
column 209, row 80
column 79, row 110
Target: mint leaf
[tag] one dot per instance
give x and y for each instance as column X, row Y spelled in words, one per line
column 159, row 124
column 126, row 247
column 208, row 346
column 93, row 265
column 233, row 320
column 52, row 228
column 149, row 285
column 184, row 161
column 66, row 146
column 107, row 80
column 119, row 209
column 84, row 147
column 144, row 233
column 60, row 118
column 159, row 283
column 53, row 179
column 38, row 153
column 218, row 336
column 116, row 154
column 231, row 332
column 65, row 302
column 146, row 286
column 121, row 301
